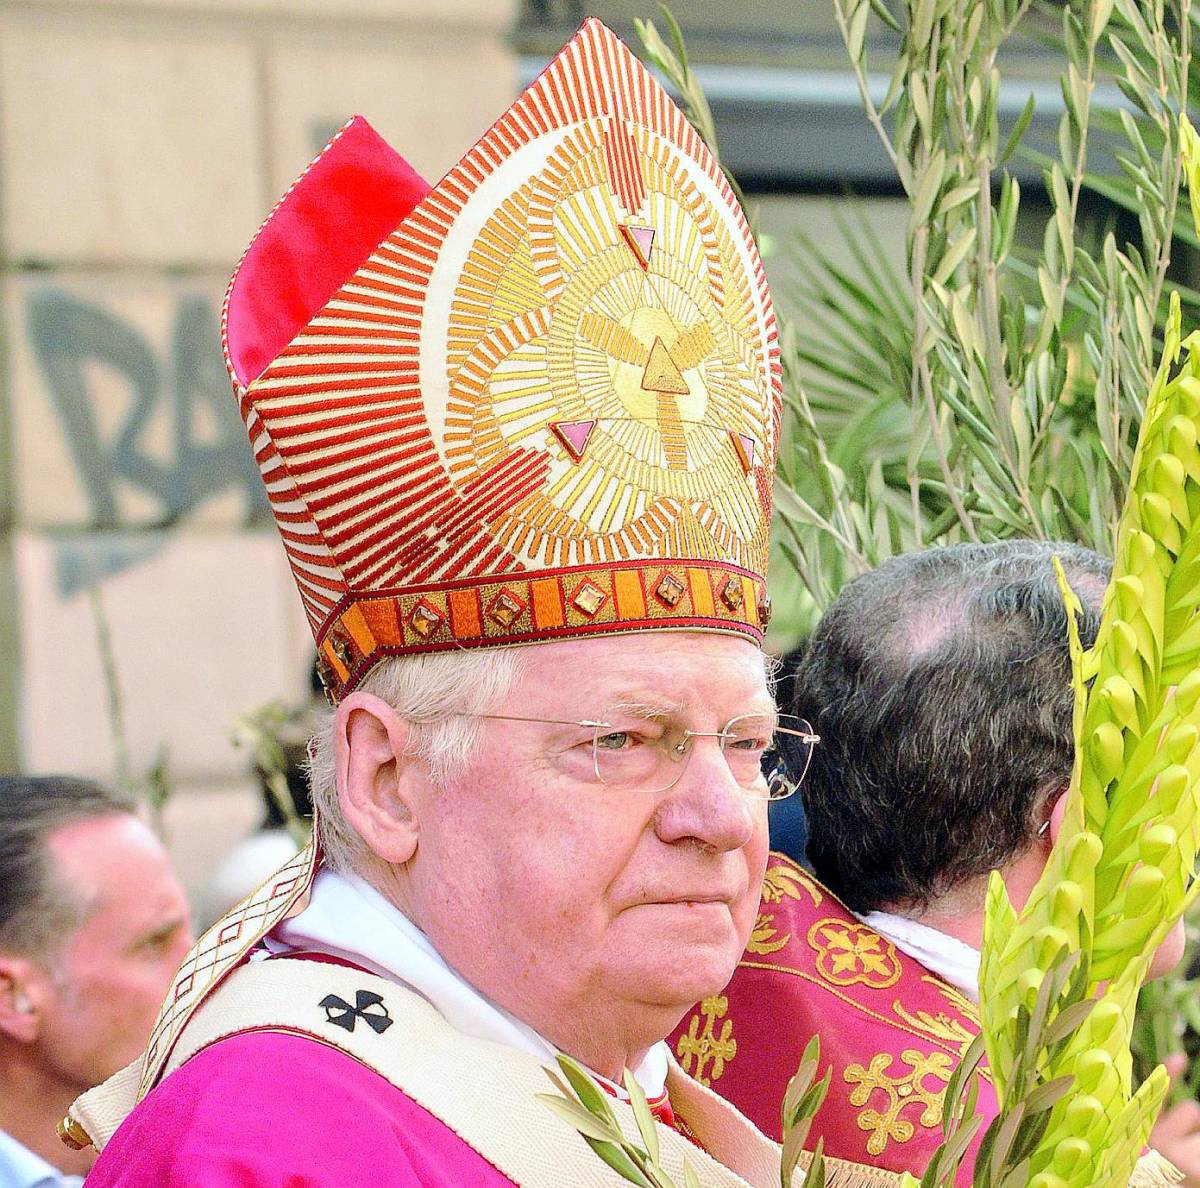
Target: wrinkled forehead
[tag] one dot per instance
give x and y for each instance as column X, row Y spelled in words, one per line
column 679, row 671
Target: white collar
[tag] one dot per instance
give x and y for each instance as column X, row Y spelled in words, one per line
column 953, row 961
column 21, row 1168
column 346, row 917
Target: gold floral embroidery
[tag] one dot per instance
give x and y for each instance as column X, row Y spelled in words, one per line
column 941, row 1026
column 782, row 882
column 848, row 953
column 779, row 883
column 762, row 939
column 900, row 1092
column 703, row 1045
column 956, row 998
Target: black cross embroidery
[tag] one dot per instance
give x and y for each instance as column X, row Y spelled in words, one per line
column 341, row 1014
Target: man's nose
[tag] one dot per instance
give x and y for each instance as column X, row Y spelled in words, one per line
column 707, row 804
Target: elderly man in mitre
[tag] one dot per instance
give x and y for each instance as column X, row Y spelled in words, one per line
column 534, row 405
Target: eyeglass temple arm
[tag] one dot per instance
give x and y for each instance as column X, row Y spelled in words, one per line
column 804, row 734
column 807, row 736
column 543, row 721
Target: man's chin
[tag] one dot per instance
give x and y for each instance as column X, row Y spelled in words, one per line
column 682, row 978
column 679, row 952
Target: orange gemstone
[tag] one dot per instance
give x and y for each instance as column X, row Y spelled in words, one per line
column 588, row 598
column 670, row 590
column 425, row 619
column 505, row 608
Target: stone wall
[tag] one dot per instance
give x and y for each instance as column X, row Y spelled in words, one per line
column 141, row 143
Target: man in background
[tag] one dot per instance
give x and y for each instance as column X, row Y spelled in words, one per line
column 940, row 687
column 92, row 927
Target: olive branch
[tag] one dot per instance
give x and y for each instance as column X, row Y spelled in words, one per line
column 584, row 1105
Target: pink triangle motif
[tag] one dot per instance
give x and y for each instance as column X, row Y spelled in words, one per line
column 744, row 445
column 640, row 240
column 574, row 435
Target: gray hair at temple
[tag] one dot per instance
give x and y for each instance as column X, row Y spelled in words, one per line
column 940, row 686
column 439, row 694
column 37, row 911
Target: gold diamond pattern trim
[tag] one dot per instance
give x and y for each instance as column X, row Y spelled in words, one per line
column 764, row 610
column 514, row 608
column 341, row 648
column 211, row 957
column 732, row 595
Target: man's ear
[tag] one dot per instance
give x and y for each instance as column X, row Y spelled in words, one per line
column 1057, row 805
column 20, row 993
column 376, row 780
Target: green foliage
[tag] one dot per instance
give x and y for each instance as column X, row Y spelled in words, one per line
column 1147, row 128
column 801, row 1101
column 1027, row 401
column 959, row 1121
column 261, row 731
column 672, row 60
column 1119, row 876
column 583, row 1105
column 980, row 394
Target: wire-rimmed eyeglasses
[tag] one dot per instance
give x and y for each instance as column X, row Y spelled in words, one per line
column 767, row 755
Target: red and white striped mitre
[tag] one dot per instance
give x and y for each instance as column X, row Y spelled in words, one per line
column 536, row 401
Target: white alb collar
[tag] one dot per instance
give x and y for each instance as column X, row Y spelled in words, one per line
column 346, row 917
column 953, row 961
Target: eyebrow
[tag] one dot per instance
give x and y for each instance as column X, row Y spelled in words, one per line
column 649, row 710
column 631, row 704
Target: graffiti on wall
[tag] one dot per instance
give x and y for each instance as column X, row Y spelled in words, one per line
column 208, row 452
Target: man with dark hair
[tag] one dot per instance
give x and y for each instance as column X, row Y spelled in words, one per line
column 92, row 926
column 940, row 687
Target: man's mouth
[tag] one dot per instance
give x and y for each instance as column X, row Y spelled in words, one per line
column 698, row 898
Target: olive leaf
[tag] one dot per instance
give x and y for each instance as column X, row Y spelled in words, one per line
column 586, row 1108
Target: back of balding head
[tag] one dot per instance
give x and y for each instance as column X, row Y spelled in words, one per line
column 940, row 686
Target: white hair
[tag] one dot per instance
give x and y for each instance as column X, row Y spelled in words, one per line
column 438, row 694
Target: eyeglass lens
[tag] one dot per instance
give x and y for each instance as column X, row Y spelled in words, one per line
column 768, row 758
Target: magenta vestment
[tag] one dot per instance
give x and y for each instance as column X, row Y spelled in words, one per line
column 269, row 1110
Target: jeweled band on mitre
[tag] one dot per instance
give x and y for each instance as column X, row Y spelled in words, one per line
column 521, row 609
